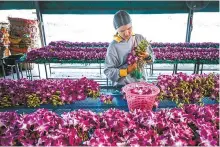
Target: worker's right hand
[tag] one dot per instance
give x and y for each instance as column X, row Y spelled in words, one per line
column 131, row 68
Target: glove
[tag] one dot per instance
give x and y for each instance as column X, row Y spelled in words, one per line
column 131, row 68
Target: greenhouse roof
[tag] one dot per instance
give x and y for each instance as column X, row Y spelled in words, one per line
column 106, row 7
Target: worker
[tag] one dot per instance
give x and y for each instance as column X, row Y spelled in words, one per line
column 116, row 68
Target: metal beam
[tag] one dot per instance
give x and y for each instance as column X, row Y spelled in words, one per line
column 189, row 25
column 41, row 23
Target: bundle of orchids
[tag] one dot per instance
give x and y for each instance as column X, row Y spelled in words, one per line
column 137, row 56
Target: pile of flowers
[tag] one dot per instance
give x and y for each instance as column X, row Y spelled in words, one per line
column 191, row 126
column 41, row 128
column 185, row 89
column 37, row 92
column 175, row 127
column 153, row 44
column 134, row 58
column 85, row 122
column 180, row 88
column 64, row 50
column 106, row 99
column 65, row 53
column 8, row 128
column 183, row 53
column 186, row 45
column 115, row 126
column 79, row 44
column 141, row 91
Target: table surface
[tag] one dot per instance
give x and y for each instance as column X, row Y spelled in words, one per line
column 96, row 106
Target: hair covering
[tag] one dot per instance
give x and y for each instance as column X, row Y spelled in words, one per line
column 121, row 18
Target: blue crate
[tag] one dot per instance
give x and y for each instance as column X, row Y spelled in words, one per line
column 120, row 101
column 87, row 103
column 8, row 110
column 95, row 105
column 12, row 109
column 167, row 104
column 113, row 105
column 61, row 111
column 50, row 106
column 207, row 101
column 47, row 106
column 172, row 104
column 102, row 109
column 25, row 111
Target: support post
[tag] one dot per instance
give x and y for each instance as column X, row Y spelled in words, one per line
column 41, row 23
column 189, row 25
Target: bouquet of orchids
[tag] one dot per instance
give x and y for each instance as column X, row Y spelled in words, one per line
column 138, row 55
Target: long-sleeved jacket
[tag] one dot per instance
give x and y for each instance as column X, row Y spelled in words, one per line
column 116, row 57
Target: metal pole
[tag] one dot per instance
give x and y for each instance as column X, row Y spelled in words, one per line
column 26, row 70
column 3, row 68
column 197, row 70
column 201, row 68
column 29, row 67
column 100, row 69
column 39, row 71
column 17, row 70
column 45, row 66
column 41, row 23
column 176, row 68
column 189, row 25
column 20, row 66
column 195, row 67
column 50, row 69
column 151, row 69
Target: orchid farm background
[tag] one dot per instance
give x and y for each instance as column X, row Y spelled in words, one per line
column 72, row 123
column 99, row 28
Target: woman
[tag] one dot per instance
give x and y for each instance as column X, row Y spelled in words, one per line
column 116, row 69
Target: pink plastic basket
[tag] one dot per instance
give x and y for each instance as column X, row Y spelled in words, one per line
column 138, row 101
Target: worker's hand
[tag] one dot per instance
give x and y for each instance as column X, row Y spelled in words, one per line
column 131, row 68
column 143, row 55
